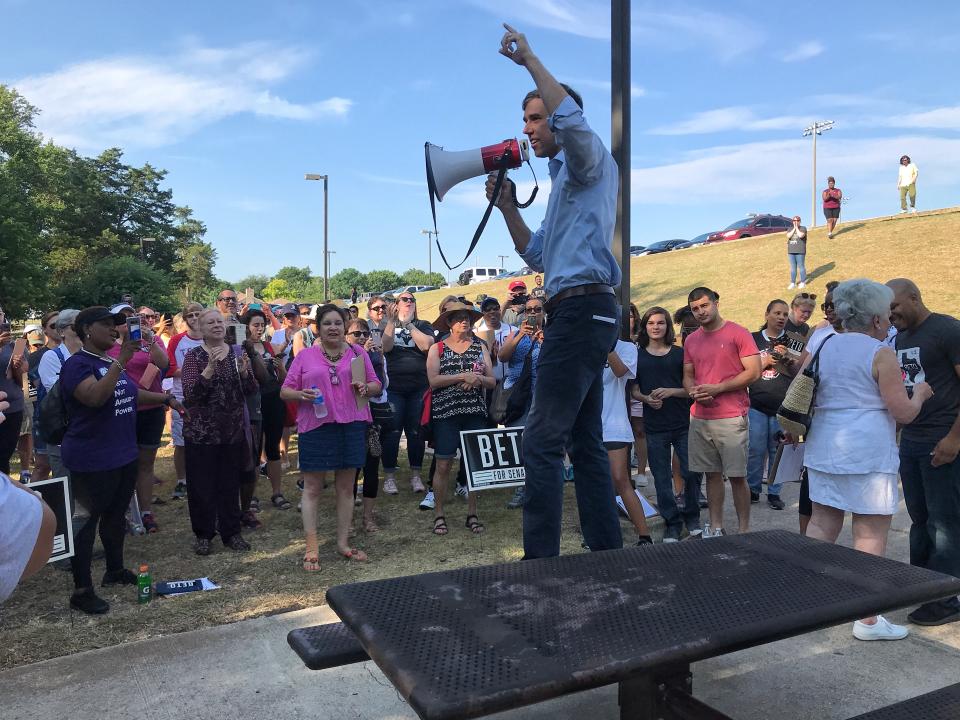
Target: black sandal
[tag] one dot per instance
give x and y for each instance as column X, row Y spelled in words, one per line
column 439, row 525
column 280, row 502
column 476, row 527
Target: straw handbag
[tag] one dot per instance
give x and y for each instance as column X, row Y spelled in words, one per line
column 796, row 411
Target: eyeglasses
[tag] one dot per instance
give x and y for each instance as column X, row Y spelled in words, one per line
column 359, row 333
column 227, row 298
column 378, row 308
column 192, row 314
column 334, row 378
column 407, row 300
column 536, row 309
column 148, row 316
column 826, row 306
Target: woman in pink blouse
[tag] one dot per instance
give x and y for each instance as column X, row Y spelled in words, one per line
column 331, row 424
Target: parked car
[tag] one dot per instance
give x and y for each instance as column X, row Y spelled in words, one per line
column 662, row 246
column 750, row 226
column 478, row 275
column 694, row 242
column 636, row 250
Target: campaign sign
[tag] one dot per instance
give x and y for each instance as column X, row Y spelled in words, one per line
column 493, row 457
column 56, row 494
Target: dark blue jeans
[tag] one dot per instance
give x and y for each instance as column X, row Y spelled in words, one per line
column 932, row 497
column 661, row 465
column 407, row 409
column 566, row 412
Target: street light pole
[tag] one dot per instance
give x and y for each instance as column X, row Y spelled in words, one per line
column 620, row 146
column 326, row 253
column 502, row 258
column 430, row 235
column 818, row 128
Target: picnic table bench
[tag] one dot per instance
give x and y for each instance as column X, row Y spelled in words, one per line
column 478, row 640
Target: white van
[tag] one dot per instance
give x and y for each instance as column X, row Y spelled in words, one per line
column 478, row 275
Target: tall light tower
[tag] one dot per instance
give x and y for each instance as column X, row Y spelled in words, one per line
column 431, row 234
column 818, row 128
column 326, row 253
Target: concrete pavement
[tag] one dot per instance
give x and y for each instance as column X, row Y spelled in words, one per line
column 246, row 670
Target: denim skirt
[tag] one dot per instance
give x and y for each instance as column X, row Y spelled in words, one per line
column 333, row 446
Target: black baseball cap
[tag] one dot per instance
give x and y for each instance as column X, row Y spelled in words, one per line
column 489, row 302
column 288, row 309
column 96, row 313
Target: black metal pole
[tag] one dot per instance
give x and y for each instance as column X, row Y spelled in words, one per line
column 620, row 141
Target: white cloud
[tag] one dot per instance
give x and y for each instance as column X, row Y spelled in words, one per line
column 804, row 51
column 730, row 118
column 756, row 172
column 604, row 85
column 151, row 101
column 675, row 29
column 945, row 118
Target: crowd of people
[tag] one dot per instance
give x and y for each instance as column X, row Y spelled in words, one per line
column 693, row 394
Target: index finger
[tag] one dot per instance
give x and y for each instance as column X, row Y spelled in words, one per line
column 508, row 28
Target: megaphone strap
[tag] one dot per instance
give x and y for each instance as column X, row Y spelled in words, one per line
column 501, row 177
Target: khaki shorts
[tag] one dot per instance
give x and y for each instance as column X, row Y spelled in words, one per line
column 26, row 424
column 719, row 446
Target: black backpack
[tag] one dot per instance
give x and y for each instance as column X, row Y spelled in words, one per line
column 52, row 420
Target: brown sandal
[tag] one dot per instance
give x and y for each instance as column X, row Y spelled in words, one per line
column 439, row 525
column 311, row 562
column 476, row 527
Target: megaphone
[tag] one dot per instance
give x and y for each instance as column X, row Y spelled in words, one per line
column 446, row 168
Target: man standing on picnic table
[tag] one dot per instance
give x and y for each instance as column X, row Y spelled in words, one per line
column 572, row 249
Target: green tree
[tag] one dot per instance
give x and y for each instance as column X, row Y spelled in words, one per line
column 257, row 282
column 105, row 282
column 342, row 284
column 22, row 184
column 378, row 281
column 422, row 277
column 277, row 288
column 195, row 265
column 296, row 278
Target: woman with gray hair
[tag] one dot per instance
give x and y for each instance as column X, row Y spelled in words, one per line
column 851, row 450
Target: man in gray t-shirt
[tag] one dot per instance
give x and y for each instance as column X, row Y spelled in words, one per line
column 928, row 349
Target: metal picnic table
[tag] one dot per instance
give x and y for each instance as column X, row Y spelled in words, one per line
column 479, row 640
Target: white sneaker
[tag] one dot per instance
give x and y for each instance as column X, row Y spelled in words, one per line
column 390, row 486
column 882, row 629
column 913, row 209
column 416, row 484
column 802, row 285
column 791, row 286
column 462, row 492
column 903, row 212
column 427, row 503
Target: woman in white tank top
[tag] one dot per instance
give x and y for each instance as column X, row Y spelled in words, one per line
column 851, row 453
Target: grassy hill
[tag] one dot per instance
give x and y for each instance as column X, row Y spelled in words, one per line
column 749, row 273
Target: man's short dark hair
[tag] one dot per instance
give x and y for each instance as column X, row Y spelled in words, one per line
column 570, row 91
column 701, row 292
column 832, row 285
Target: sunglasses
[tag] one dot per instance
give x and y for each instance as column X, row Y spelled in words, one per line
column 359, row 333
column 827, row 306
column 807, row 296
column 228, row 298
column 407, row 300
column 378, row 308
column 533, row 310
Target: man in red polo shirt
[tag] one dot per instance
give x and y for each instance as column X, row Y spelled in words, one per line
column 719, row 361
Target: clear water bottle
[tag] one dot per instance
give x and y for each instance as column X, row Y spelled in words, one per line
column 319, row 404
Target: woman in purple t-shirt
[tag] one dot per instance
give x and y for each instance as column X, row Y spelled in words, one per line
column 332, row 425
column 100, row 446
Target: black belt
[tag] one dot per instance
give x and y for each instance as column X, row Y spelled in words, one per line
column 577, row 291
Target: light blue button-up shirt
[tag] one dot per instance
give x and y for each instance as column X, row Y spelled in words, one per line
column 572, row 246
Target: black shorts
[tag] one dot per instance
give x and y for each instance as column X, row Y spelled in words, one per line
column 830, row 213
column 806, row 507
column 150, row 427
column 616, row 445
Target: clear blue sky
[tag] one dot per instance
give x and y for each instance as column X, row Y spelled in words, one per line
column 238, row 100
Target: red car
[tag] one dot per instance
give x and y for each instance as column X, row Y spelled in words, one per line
column 753, row 225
